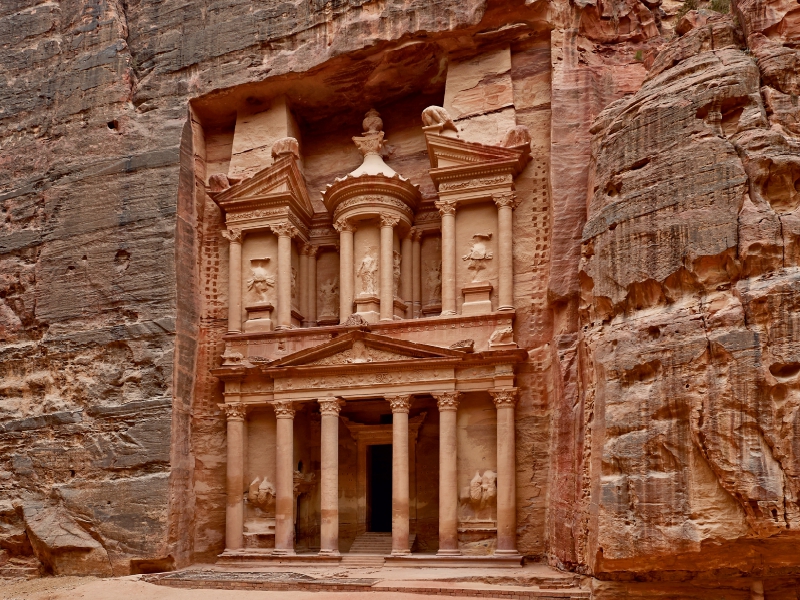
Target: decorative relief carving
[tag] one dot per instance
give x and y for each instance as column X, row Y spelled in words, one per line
column 260, row 282
column 480, row 495
column 503, row 336
column 433, row 282
column 448, row 186
column 346, row 380
column 478, row 254
column 344, row 225
column 303, row 483
column 231, row 358
column 233, row 235
column 294, row 286
column 468, row 345
column 283, row 409
column 261, row 493
column 360, row 200
column 284, row 229
column 400, row 403
column 446, row 207
column 359, row 353
column 261, row 213
column 505, row 199
column 330, row 406
column 447, row 400
column 329, row 298
column 389, row 220
column 503, row 398
column 396, row 272
column 367, row 272
column 426, row 217
column 234, row 411
column 356, row 320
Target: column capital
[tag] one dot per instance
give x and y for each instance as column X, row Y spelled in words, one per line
column 233, row 235
column 415, row 233
column 305, row 249
column 446, row 207
column 389, row 221
column 313, row 250
column 284, row 229
column 506, row 398
column 284, row 409
column 234, row 411
column 400, row 403
column 330, row 406
column 344, row 225
column 447, row 400
column 505, row 199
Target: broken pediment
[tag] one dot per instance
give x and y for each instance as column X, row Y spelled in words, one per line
column 359, row 347
column 281, row 185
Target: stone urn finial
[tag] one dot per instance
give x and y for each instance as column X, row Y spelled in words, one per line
column 372, row 122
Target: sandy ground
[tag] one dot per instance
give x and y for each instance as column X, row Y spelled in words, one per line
column 130, row 588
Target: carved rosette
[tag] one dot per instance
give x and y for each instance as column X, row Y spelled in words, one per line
column 447, row 400
column 329, row 406
column 389, row 221
column 283, row 409
column 400, row 403
column 284, row 229
column 504, row 398
column 344, row 225
column 502, row 199
column 233, row 235
column 446, row 207
column 234, row 411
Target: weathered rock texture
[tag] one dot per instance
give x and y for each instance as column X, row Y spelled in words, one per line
column 657, row 279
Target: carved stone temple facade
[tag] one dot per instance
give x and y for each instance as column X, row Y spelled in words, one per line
column 352, row 329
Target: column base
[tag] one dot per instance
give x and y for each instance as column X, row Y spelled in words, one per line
column 448, row 553
column 283, row 552
column 513, row 553
column 400, row 553
column 284, row 327
column 329, row 553
column 448, row 313
column 505, row 308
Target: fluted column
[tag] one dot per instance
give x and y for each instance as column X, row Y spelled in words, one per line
column 329, row 476
column 504, row 401
column 284, row 231
column 447, row 208
column 346, row 269
column 505, row 212
column 448, row 473
column 311, row 284
column 416, row 272
column 388, row 224
column 234, row 510
column 406, row 273
column 302, row 276
column 234, row 236
column 400, row 501
column 284, row 478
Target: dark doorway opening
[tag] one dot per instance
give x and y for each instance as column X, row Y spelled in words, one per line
column 379, row 501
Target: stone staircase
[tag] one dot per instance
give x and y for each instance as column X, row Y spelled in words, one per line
column 369, row 548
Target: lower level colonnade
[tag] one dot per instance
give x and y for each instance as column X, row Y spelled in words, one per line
column 400, row 405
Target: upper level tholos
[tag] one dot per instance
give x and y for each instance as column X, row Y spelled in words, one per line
column 380, row 251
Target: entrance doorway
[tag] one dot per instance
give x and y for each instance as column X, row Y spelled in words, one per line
column 379, row 501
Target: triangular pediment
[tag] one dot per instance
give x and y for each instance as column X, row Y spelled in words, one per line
column 447, row 152
column 359, row 347
column 279, row 184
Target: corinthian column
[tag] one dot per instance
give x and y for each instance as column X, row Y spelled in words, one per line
column 329, row 479
column 284, row 478
column 406, row 274
column 234, row 510
column 284, row 231
column 312, row 286
column 416, row 272
column 388, row 224
column 447, row 208
column 400, row 528
column 302, row 277
column 234, row 236
column 504, row 401
column 448, row 473
column 505, row 209
column 346, row 270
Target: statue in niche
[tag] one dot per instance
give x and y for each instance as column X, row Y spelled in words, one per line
column 261, row 493
column 479, row 498
column 329, row 297
column 260, row 281
column 368, row 272
column 478, row 254
column 396, row 272
column 294, row 286
column 433, row 282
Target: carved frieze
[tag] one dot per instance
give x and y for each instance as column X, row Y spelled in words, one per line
column 372, row 199
column 346, row 380
column 248, row 215
column 451, row 186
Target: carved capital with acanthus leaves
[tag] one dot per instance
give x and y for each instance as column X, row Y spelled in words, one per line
column 400, row 403
column 344, row 225
column 502, row 199
column 504, row 398
column 233, row 235
column 284, row 229
column 389, row 221
column 234, row 411
column 446, row 207
column 283, row 409
column 329, row 406
column 447, row 400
